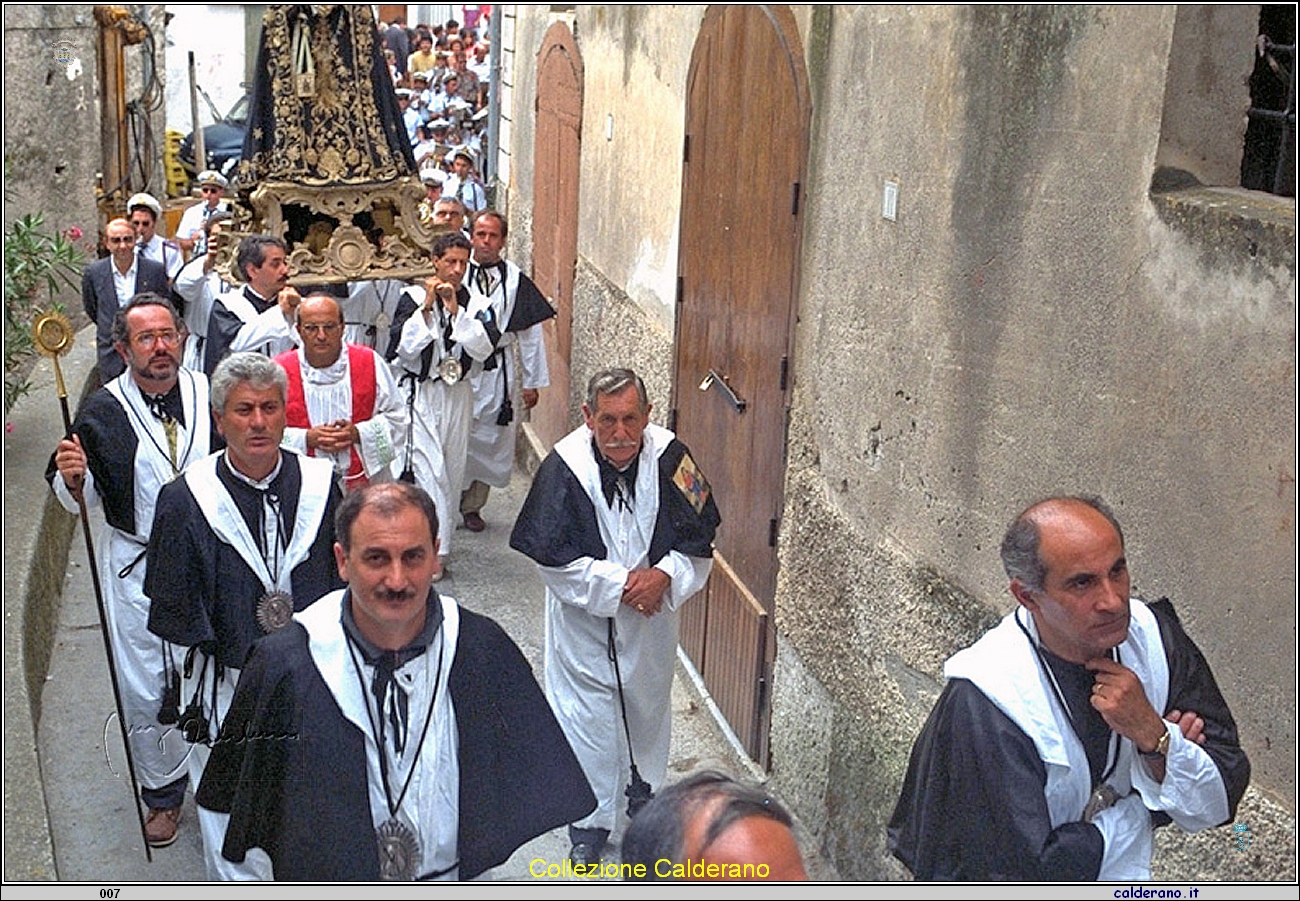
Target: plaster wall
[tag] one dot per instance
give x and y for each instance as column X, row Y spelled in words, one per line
column 51, row 116
column 636, row 58
column 636, row 61
column 522, row 34
column 1213, row 53
column 1034, row 321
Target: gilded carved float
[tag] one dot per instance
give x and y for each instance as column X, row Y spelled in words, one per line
column 327, row 165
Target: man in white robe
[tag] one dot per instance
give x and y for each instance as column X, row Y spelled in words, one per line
column 258, row 317
column 199, row 284
column 441, row 344
column 241, row 541
column 515, row 301
column 397, row 735
column 620, row 522
column 343, row 402
column 369, row 311
column 131, row 437
column 1072, row 729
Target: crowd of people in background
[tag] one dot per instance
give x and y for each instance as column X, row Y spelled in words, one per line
column 442, row 77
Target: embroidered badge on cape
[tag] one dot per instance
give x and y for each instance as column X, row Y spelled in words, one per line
column 691, row 482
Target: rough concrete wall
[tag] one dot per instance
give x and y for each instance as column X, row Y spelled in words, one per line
column 1211, row 58
column 522, row 31
column 636, row 60
column 140, row 68
column 1033, row 322
column 51, row 115
column 1029, row 324
column 610, row 329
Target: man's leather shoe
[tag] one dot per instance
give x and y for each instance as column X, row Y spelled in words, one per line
column 585, row 853
column 474, row 522
column 160, row 826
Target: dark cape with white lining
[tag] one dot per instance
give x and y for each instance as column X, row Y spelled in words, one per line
column 201, row 590
column 291, row 769
column 557, row 523
column 973, row 807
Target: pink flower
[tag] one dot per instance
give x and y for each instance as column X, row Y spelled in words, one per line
column 9, row 427
column 74, row 233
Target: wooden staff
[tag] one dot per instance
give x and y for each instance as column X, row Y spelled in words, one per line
column 53, row 336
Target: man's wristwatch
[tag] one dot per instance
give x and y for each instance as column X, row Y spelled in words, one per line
column 1161, row 749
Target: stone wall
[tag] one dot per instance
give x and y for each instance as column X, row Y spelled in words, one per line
column 52, row 110
column 1034, row 321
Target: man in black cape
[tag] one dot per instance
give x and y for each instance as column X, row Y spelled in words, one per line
column 389, row 733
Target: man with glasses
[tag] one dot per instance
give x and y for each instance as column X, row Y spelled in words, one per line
column 342, row 406
column 190, row 233
column 108, row 284
column 143, row 212
column 132, row 437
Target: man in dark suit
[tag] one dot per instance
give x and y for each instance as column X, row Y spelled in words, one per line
column 398, row 42
column 108, row 284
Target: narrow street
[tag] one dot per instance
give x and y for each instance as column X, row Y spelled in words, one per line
column 92, row 818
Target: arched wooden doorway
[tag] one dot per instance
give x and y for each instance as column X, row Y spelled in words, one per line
column 556, row 160
column 747, row 118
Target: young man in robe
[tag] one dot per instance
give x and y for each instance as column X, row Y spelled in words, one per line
column 131, row 437
column 1071, row 729
column 620, row 522
column 389, row 733
column 259, row 316
column 498, row 284
column 239, row 542
column 343, row 403
column 439, row 343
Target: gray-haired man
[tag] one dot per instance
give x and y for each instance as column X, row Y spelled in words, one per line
column 242, row 540
column 620, row 522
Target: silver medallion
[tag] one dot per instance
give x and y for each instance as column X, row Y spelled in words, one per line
column 449, row 370
column 399, row 851
column 274, row 611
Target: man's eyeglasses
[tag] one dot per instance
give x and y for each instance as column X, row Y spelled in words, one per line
column 209, row 189
column 149, row 340
column 314, row 329
column 122, row 239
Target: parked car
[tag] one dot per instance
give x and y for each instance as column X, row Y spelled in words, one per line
column 223, row 141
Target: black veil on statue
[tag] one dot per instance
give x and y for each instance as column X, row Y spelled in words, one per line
column 327, row 162
column 324, row 113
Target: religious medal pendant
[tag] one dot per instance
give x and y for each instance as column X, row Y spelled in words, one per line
column 449, row 370
column 274, row 611
column 1103, row 796
column 399, row 851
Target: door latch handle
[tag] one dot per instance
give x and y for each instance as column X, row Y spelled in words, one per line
column 715, row 379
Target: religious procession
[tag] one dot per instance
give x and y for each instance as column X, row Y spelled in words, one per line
column 441, row 520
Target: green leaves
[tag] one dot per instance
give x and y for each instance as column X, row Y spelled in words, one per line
column 38, row 265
